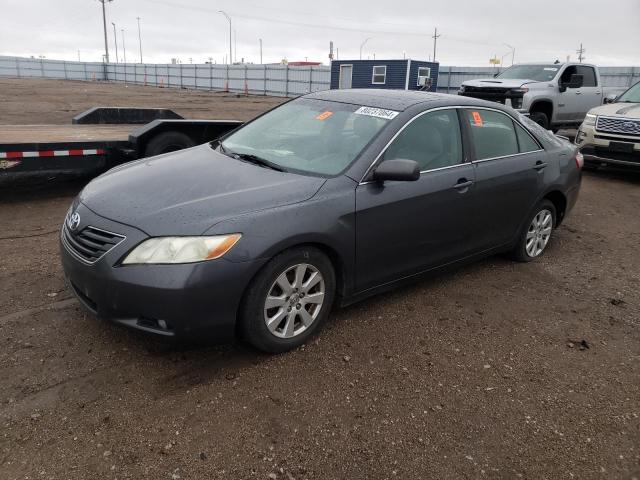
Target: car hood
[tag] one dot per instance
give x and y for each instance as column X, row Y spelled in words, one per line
column 187, row 192
column 497, row 82
column 627, row 110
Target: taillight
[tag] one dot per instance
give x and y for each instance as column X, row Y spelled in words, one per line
column 579, row 160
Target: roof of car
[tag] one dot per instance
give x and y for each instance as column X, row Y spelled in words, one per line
column 397, row 100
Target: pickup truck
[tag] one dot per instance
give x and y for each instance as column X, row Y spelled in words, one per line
column 554, row 95
column 610, row 134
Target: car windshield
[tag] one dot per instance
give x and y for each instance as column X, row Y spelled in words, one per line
column 308, row 136
column 632, row 95
column 540, row 73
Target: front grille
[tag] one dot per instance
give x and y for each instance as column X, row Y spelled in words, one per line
column 621, row 126
column 494, row 94
column 90, row 244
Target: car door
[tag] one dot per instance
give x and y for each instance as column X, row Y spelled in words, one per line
column 403, row 228
column 509, row 167
column 590, row 94
column 569, row 104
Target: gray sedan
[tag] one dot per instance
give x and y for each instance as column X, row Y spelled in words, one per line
column 325, row 200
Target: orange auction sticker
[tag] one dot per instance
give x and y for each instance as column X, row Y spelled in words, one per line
column 324, row 115
column 477, row 119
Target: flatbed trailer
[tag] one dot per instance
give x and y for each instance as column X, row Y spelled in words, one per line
column 97, row 140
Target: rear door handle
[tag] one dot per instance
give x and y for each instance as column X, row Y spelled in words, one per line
column 539, row 165
column 462, row 184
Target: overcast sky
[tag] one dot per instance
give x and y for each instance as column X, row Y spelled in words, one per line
column 472, row 31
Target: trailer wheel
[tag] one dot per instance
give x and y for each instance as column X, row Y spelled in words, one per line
column 168, row 142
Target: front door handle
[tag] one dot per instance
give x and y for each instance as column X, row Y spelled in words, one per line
column 578, row 92
column 463, row 184
column 539, row 165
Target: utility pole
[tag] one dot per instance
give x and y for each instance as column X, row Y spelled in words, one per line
column 115, row 39
column 260, row 51
column 230, row 30
column 139, row 39
column 124, row 49
column 104, row 25
column 581, row 51
column 235, row 46
column 362, row 45
column 435, row 42
column 79, row 56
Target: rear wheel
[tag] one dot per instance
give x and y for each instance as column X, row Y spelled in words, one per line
column 535, row 237
column 289, row 300
column 168, row 142
column 540, row 118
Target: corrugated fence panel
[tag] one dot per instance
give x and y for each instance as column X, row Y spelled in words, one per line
column 280, row 80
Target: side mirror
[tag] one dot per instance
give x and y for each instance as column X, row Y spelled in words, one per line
column 397, row 169
column 611, row 98
column 576, row 81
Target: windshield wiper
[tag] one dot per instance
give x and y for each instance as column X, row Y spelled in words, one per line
column 257, row 161
column 247, row 157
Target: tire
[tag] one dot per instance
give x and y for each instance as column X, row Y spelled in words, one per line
column 288, row 326
column 541, row 119
column 524, row 250
column 168, row 142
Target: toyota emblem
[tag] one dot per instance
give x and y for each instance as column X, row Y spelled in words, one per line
column 73, row 222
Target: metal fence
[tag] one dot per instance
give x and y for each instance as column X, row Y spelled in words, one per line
column 278, row 80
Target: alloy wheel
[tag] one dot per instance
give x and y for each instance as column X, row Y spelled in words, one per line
column 294, row 300
column 539, row 233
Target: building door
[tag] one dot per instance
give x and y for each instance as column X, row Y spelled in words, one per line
column 346, row 71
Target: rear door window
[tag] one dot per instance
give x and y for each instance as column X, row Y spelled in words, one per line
column 492, row 133
column 589, row 75
column 526, row 143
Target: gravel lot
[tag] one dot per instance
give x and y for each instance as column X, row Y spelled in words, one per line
column 497, row 370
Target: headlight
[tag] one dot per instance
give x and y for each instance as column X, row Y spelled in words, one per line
column 590, row 119
column 181, row 249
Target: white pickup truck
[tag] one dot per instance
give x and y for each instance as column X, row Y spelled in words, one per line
column 554, row 95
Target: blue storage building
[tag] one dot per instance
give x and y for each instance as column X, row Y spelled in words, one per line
column 395, row 74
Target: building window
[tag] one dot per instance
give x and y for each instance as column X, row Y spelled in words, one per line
column 379, row 75
column 424, row 73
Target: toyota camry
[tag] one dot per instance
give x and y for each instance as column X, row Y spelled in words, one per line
column 320, row 202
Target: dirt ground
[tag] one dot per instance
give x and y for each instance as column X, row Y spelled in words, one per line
column 497, row 370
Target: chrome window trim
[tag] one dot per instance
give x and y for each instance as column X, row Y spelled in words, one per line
column 69, row 249
column 450, row 107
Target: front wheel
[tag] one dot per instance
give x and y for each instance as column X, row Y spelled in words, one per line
column 289, row 300
column 534, row 239
column 540, row 118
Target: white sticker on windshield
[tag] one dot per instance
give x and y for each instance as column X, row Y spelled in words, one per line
column 377, row 112
column 551, row 69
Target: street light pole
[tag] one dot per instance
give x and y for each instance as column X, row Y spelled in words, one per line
column 230, row 31
column 363, row 44
column 115, row 39
column 124, row 49
column 260, row 51
column 139, row 39
column 104, row 25
column 513, row 52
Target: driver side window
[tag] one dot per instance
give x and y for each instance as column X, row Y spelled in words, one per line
column 433, row 140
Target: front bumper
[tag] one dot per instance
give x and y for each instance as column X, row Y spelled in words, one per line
column 196, row 301
column 597, row 148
